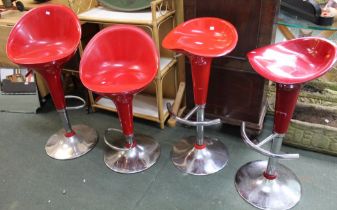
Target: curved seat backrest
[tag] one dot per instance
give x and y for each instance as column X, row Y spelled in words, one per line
column 119, row 59
column 44, row 34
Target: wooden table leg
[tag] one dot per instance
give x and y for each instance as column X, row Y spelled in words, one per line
column 286, row 32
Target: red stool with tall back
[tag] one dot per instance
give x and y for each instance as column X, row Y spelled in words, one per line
column 201, row 40
column 119, row 62
column 43, row 40
column 270, row 185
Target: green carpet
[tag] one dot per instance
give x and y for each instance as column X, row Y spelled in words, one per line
column 30, row 180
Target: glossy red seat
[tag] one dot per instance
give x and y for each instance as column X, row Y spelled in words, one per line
column 201, row 40
column 117, row 63
column 294, row 61
column 43, row 40
column 206, row 37
column 270, row 185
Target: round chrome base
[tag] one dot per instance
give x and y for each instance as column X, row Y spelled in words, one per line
column 283, row 192
column 61, row 147
column 136, row 159
column 204, row 161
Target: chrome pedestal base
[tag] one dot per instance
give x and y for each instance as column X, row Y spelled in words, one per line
column 204, row 161
column 64, row 148
column 136, row 159
column 283, row 192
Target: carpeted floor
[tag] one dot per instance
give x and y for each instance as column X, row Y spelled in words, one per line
column 30, row 180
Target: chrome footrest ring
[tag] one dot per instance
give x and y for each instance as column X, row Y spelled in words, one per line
column 189, row 122
column 77, row 98
column 111, row 145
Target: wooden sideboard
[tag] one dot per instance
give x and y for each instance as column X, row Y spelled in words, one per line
column 236, row 93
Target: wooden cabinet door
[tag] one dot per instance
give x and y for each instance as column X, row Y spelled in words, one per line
column 236, row 93
column 4, row 32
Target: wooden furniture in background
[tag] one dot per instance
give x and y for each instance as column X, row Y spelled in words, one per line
column 236, row 92
column 6, row 24
column 77, row 6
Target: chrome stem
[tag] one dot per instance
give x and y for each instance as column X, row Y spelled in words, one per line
column 200, row 128
column 129, row 139
column 275, row 148
column 65, row 120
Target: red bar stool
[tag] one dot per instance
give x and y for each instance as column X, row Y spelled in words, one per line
column 43, row 40
column 270, row 185
column 201, row 40
column 119, row 62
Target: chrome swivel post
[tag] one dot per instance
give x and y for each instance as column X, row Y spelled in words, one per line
column 71, row 141
column 198, row 155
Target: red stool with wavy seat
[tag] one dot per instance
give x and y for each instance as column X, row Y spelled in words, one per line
column 119, row 62
column 201, row 40
column 270, row 185
column 43, row 40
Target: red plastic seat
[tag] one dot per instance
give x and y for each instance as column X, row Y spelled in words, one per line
column 43, row 40
column 201, row 39
column 294, row 61
column 115, row 61
column 40, row 38
column 207, row 37
column 271, row 185
column 118, row 62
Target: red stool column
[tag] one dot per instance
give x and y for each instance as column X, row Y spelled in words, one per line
column 201, row 68
column 286, row 98
column 201, row 39
column 71, row 141
column 52, row 76
column 40, row 41
column 114, row 65
column 269, row 184
column 124, row 107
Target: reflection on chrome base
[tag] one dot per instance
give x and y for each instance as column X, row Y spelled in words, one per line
column 142, row 156
column 281, row 193
column 195, row 161
column 61, row 147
